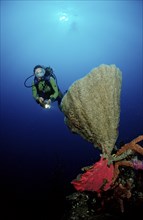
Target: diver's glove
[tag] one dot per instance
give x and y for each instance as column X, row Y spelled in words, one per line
column 40, row 100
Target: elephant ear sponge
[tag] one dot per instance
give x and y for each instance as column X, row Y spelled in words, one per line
column 91, row 107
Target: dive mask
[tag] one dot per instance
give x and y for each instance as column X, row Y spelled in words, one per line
column 39, row 72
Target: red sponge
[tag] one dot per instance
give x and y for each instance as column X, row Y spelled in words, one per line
column 98, row 177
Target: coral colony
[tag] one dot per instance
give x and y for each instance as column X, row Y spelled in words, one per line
column 92, row 109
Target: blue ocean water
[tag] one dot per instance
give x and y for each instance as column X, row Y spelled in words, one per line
column 38, row 152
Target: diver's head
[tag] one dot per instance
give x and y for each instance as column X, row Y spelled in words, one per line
column 39, row 71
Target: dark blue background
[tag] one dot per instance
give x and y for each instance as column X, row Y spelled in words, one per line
column 39, row 156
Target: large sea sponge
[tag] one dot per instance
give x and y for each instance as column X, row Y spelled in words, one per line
column 92, row 107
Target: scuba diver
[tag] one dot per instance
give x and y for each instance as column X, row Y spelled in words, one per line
column 44, row 87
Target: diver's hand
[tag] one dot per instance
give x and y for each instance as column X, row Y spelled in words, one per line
column 41, row 100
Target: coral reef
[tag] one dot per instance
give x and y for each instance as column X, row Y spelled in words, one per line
column 102, row 175
column 92, row 109
column 119, row 202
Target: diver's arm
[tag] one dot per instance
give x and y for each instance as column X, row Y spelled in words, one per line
column 55, row 88
column 34, row 93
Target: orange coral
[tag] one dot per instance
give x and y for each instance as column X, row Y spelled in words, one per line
column 133, row 147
